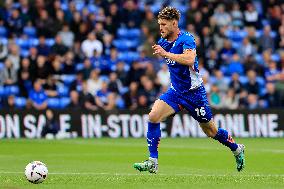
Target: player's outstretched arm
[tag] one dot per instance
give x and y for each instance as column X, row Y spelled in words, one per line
column 187, row 58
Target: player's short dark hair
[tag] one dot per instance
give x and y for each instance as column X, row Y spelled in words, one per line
column 169, row 13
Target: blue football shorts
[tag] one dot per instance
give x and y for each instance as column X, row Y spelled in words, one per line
column 195, row 102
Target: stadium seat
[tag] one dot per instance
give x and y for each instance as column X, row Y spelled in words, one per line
column 2, row 91
column 49, row 41
column 12, row 90
column 4, row 41
column 68, row 79
column 64, row 102
column 63, row 90
column 30, row 31
column 3, row 31
column 128, row 57
column 2, row 65
column 53, row 103
column 24, row 53
column 20, row 102
column 79, row 66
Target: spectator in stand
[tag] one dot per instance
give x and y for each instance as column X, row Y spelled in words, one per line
column 122, row 72
column 42, row 68
column 67, row 36
column 113, row 18
column 246, row 49
column 58, row 48
column 91, row 44
column 231, row 100
column 14, row 56
column 10, row 75
column 226, row 52
column 131, row 97
column 266, row 41
column 77, row 84
column 43, row 48
column 251, row 16
column 3, row 51
column 94, row 82
column 271, row 70
column 149, row 91
column 114, row 84
column 104, row 98
column 151, row 23
column 75, row 101
column 235, row 83
column 86, row 99
column 24, row 83
column 37, row 96
column 252, row 101
column 222, row 17
column 87, row 69
column 50, row 87
column 220, row 82
column 235, row 66
column 10, row 103
column 15, row 23
column 280, row 38
column 33, row 56
column 51, row 124
column 132, row 16
column 215, row 97
column 163, row 77
column 44, row 24
column 68, row 63
column 252, row 86
column 272, row 97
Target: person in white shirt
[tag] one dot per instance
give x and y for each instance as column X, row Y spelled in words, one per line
column 91, row 44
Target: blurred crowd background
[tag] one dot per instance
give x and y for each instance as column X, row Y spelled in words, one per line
column 96, row 54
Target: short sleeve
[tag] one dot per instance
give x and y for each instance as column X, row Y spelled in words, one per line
column 189, row 42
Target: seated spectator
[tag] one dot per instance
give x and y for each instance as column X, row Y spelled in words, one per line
column 94, row 82
column 77, row 84
column 271, row 70
column 10, row 103
column 235, row 66
column 231, row 100
column 58, row 47
column 252, row 86
column 86, row 99
column 235, row 83
column 104, row 98
column 37, row 96
column 251, row 16
column 14, row 56
column 24, row 83
column 114, row 84
column 10, row 75
column 272, row 97
column 215, row 97
column 131, row 97
column 42, row 68
column 68, row 63
column 42, row 48
column 51, row 125
column 50, row 86
column 122, row 72
column 67, row 36
column 91, row 44
column 75, row 102
column 266, row 41
column 252, row 101
column 163, row 76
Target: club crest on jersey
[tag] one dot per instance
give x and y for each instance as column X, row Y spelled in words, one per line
column 170, row 62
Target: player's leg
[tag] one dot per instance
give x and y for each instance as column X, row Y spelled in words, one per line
column 162, row 108
column 197, row 105
column 225, row 138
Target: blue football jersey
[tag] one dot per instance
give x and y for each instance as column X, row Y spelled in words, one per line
column 183, row 78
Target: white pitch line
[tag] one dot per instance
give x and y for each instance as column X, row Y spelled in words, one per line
column 161, row 174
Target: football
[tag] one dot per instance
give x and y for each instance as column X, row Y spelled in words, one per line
column 36, row 172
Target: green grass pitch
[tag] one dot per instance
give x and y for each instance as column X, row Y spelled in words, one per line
column 107, row 163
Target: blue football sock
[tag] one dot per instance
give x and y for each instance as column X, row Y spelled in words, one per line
column 153, row 138
column 223, row 137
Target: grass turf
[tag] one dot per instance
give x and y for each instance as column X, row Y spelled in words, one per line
column 107, row 163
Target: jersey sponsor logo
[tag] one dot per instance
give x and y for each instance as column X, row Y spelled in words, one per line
column 170, row 62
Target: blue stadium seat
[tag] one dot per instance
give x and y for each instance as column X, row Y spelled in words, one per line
column 2, row 65
column 79, row 6
column 68, row 79
column 122, row 32
column 125, row 44
column 4, row 41
column 63, row 90
column 22, row 43
column 53, row 103
column 30, row 31
column 20, row 102
column 243, row 79
column 24, row 53
column 134, row 33
column 49, row 41
column 79, row 66
column 64, row 102
column 3, row 31
column 128, row 56
column 12, row 90
column 33, row 42
column 2, row 91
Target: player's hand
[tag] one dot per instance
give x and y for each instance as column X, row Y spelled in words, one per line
column 158, row 50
